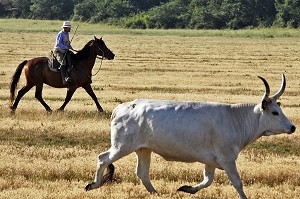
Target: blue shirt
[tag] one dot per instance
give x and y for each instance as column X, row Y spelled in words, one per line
column 62, row 41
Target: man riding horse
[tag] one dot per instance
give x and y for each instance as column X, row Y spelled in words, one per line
column 37, row 71
column 61, row 51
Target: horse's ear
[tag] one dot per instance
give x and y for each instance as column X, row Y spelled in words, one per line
column 95, row 38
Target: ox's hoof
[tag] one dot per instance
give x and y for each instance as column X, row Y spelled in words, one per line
column 89, row 187
column 187, row 189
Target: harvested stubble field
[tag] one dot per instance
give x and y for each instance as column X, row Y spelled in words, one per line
column 53, row 155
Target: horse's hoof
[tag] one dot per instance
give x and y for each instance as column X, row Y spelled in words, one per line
column 12, row 108
column 99, row 107
column 13, row 111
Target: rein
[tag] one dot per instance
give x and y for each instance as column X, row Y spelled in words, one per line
column 98, row 57
column 101, row 60
column 99, row 66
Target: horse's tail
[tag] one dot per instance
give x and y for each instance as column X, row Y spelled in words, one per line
column 15, row 79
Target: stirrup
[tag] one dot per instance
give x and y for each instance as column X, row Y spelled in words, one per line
column 67, row 81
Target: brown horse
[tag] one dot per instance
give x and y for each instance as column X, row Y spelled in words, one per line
column 37, row 73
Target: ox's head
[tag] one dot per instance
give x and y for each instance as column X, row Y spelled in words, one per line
column 273, row 121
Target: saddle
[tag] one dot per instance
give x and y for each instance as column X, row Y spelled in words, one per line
column 54, row 65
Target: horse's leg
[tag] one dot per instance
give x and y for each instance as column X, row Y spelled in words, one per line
column 90, row 91
column 21, row 93
column 70, row 93
column 38, row 95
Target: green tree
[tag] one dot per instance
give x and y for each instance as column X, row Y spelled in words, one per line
column 200, row 14
column 5, row 8
column 288, row 13
column 85, row 10
column 170, row 15
column 206, row 14
column 21, row 8
column 264, row 13
column 51, row 9
column 243, row 13
column 97, row 11
column 145, row 5
column 120, row 8
column 237, row 13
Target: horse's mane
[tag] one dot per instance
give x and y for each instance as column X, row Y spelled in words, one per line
column 84, row 52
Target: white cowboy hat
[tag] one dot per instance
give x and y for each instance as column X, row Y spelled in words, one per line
column 66, row 24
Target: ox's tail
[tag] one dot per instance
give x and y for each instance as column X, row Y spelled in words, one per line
column 15, row 79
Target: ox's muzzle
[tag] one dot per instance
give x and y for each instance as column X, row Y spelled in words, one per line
column 293, row 129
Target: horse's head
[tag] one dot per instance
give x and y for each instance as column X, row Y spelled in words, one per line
column 102, row 50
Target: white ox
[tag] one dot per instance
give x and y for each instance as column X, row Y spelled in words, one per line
column 210, row 133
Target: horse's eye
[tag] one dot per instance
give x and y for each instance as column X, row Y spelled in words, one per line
column 275, row 113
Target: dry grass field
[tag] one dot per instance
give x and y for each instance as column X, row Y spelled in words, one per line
column 54, row 155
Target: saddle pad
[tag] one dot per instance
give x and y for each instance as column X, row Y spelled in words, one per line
column 53, row 64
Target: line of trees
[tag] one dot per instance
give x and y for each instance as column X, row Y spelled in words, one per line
column 193, row 14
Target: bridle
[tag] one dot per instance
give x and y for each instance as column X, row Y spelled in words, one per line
column 101, row 58
column 103, row 52
column 98, row 57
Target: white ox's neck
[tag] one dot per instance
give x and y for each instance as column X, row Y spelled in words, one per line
column 246, row 121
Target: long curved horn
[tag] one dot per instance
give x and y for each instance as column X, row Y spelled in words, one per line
column 281, row 90
column 267, row 93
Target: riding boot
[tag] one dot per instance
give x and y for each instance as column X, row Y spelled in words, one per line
column 64, row 75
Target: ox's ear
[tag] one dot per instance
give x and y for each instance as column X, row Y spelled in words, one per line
column 264, row 104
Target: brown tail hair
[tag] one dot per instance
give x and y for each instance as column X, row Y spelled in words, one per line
column 15, row 79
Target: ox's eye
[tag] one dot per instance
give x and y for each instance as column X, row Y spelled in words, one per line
column 275, row 113
column 278, row 103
